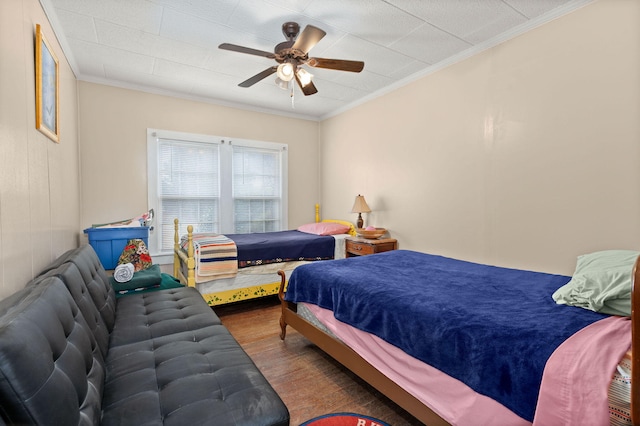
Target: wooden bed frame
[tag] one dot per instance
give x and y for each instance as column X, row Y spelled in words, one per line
column 181, row 258
column 354, row 362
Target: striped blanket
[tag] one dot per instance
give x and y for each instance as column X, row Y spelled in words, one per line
column 216, row 256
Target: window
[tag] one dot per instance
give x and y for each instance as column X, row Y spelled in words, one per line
column 214, row 183
column 256, row 189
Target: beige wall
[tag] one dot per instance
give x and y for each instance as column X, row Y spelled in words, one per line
column 113, row 130
column 525, row 155
column 39, row 179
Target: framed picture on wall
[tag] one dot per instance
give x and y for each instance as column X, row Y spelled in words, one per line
column 47, row 88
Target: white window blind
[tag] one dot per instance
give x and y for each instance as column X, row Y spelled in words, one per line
column 188, row 187
column 256, row 189
column 214, row 184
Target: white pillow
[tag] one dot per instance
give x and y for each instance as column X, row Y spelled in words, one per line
column 601, row 282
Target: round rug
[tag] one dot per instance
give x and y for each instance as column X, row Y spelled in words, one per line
column 344, row 419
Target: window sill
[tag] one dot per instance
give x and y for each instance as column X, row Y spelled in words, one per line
column 162, row 258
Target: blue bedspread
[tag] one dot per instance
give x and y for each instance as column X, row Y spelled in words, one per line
column 492, row 328
column 282, row 246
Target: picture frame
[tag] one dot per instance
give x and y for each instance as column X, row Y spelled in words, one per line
column 47, row 88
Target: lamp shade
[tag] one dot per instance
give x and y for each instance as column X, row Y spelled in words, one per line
column 285, row 71
column 284, row 85
column 360, row 205
column 304, row 76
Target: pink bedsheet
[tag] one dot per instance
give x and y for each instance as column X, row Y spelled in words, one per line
column 451, row 399
column 574, row 385
column 576, row 378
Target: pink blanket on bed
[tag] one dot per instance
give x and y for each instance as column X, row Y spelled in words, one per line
column 451, row 399
column 576, row 379
column 574, row 387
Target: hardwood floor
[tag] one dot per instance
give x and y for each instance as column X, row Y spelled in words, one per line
column 309, row 382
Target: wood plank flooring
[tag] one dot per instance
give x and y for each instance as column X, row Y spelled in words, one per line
column 309, row 382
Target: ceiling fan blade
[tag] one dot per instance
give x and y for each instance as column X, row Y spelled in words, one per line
column 250, row 51
column 308, row 38
column 336, row 64
column 256, row 78
column 309, row 89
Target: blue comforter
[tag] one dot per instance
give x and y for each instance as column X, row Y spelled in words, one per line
column 491, row 328
column 281, row 246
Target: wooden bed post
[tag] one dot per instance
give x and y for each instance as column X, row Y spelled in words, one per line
column 179, row 256
column 635, row 344
column 283, row 303
column 191, row 262
column 317, row 213
column 176, row 248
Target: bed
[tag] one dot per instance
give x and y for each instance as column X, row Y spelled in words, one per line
column 556, row 371
column 202, row 260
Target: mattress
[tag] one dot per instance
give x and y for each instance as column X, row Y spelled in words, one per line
column 261, row 280
column 260, row 248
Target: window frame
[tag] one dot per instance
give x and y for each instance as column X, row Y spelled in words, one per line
column 226, row 144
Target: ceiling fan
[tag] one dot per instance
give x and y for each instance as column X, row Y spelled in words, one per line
column 291, row 55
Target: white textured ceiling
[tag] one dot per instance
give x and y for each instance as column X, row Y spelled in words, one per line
column 171, row 46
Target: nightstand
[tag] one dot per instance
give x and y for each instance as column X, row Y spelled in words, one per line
column 356, row 246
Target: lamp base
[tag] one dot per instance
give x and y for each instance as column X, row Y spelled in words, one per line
column 360, row 222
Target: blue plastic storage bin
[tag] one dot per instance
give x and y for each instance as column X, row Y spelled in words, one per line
column 109, row 242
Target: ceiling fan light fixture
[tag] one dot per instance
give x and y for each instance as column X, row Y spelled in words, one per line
column 284, row 85
column 290, row 55
column 304, row 76
column 285, row 71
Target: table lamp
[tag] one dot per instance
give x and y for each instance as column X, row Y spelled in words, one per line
column 360, row 206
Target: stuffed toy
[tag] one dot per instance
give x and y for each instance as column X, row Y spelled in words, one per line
column 136, row 253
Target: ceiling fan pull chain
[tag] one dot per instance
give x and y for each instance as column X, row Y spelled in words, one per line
column 292, row 97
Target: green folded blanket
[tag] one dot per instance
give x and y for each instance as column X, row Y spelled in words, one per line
column 168, row 281
column 150, row 279
column 141, row 279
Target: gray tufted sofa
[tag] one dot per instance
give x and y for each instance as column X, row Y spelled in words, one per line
column 71, row 354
